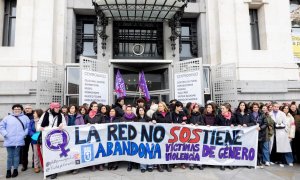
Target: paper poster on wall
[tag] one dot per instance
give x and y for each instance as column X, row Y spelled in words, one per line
column 94, row 87
column 188, row 87
column 296, row 46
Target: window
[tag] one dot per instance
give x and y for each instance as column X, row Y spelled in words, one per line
column 9, row 23
column 188, row 42
column 86, row 38
column 72, row 84
column 254, row 29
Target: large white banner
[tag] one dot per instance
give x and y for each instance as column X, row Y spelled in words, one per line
column 188, row 87
column 94, row 87
column 80, row 146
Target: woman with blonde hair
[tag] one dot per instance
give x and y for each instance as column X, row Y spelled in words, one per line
column 162, row 115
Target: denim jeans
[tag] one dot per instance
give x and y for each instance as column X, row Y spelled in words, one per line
column 13, row 157
column 289, row 157
column 266, row 151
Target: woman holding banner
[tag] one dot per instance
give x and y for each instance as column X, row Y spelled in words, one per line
column 129, row 116
column 52, row 118
column 162, row 115
column 94, row 117
column 73, row 119
column 141, row 117
column 226, row 118
column 195, row 119
column 113, row 118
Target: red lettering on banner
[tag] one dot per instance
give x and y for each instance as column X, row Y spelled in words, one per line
column 184, row 135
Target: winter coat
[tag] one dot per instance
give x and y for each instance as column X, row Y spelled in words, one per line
column 53, row 121
column 32, row 130
column 244, row 119
column 152, row 110
column 143, row 119
column 125, row 119
column 196, row 118
column 178, row 118
column 119, row 110
column 263, row 124
column 159, row 118
column 222, row 121
column 282, row 139
column 290, row 123
column 270, row 128
column 97, row 119
column 210, row 119
column 78, row 120
column 12, row 130
column 114, row 120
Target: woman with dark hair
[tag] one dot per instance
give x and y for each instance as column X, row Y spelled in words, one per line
column 290, row 129
column 296, row 143
column 52, row 118
column 142, row 117
column 267, row 148
column 94, row 117
column 226, row 118
column 113, row 118
column 64, row 110
column 195, row 119
column 162, row 115
column 83, row 111
column 209, row 115
column 259, row 119
column 129, row 116
column 73, row 119
column 104, row 110
column 118, row 106
column 33, row 131
column 242, row 115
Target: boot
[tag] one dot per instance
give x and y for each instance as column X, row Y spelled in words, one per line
column 129, row 168
column 53, row 176
column 222, row 168
column 8, row 174
column 159, row 168
column 168, row 167
column 15, row 173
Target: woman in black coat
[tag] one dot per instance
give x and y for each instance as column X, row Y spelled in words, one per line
column 243, row 116
column 195, row 119
column 260, row 120
column 94, row 117
column 226, row 118
column 162, row 115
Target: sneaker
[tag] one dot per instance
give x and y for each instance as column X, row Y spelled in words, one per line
column 53, row 176
column 291, row 164
column 267, row 163
column 143, row 170
column 271, row 163
column 281, row 165
column 36, row 170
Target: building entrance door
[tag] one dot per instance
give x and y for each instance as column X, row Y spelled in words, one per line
column 157, row 75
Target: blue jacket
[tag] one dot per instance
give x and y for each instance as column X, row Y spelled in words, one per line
column 12, row 130
column 32, row 130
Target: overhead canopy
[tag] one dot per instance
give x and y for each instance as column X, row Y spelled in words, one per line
column 140, row 10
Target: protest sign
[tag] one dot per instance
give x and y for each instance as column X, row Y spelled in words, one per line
column 80, row 146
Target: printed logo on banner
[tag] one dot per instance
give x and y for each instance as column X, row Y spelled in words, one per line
column 57, row 140
column 87, row 153
column 77, row 158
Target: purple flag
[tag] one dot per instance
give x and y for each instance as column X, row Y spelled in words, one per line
column 120, row 85
column 143, row 86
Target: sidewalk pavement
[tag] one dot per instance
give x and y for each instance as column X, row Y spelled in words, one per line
column 273, row 172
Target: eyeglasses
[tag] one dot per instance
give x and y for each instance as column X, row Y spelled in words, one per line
column 18, row 109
